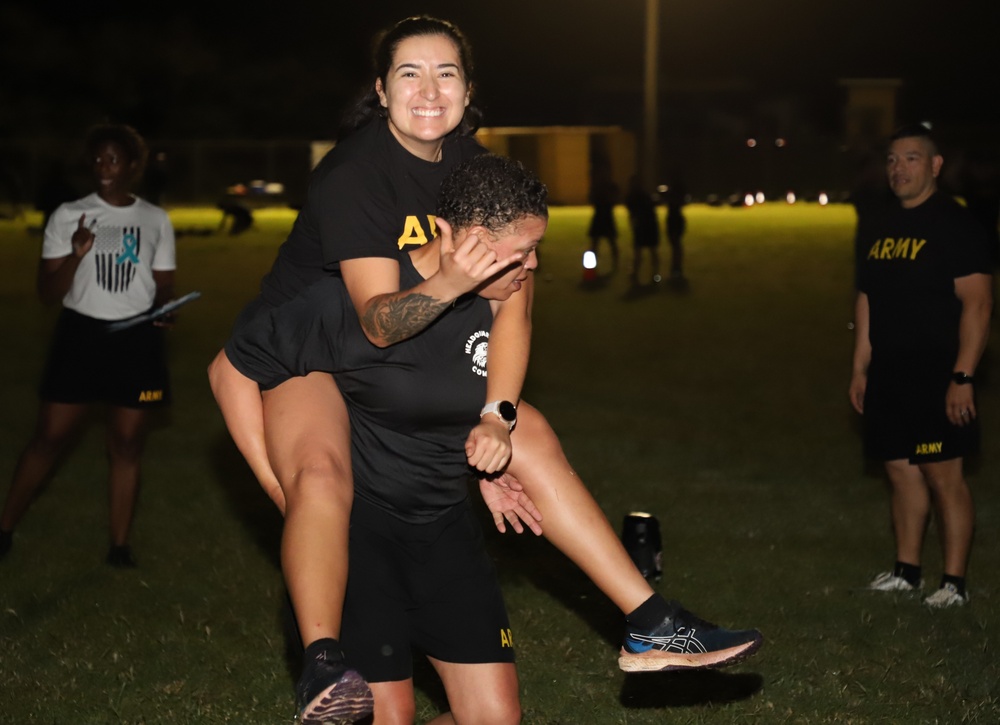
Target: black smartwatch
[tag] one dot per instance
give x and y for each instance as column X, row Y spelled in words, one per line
column 960, row 378
column 504, row 410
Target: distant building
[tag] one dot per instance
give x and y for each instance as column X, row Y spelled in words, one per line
column 563, row 156
column 869, row 111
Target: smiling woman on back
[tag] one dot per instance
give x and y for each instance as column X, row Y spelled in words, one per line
column 371, row 199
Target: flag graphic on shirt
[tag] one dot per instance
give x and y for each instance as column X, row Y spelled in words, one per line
column 116, row 254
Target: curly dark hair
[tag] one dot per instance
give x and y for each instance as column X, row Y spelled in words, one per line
column 368, row 106
column 491, row 191
column 125, row 136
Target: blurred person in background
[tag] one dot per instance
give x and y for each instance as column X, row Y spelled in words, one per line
column 107, row 257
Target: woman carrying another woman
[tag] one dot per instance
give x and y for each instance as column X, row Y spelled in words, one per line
column 373, row 196
column 420, row 575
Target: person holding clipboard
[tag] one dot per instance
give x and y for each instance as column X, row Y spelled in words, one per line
column 107, row 257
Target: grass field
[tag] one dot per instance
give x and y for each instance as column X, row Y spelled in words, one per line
column 721, row 409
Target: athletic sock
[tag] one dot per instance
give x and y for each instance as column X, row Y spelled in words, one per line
column 324, row 649
column 958, row 581
column 650, row 613
column 909, row 572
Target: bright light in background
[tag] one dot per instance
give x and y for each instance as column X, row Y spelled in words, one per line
column 589, row 267
column 751, row 142
column 790, row 197
column 823, row 198
column 760, row 197
column 779, row 142
column 748, row 199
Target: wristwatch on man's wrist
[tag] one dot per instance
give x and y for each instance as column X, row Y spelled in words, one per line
column 961, row 378
column 502, row 409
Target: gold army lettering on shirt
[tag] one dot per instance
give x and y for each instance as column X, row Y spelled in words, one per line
column 506, row 638
column 890, row 248
column 413, row 231
column 925, row 449
column 150, row 396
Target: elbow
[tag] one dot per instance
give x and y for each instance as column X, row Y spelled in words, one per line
column 372, row 334
column 379, row 342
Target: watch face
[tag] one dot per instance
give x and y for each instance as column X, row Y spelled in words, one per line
column 507, row 411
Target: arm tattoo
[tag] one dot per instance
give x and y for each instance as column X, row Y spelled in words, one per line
column 400, row 318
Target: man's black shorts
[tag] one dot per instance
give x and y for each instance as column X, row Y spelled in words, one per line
column 905, row 414
column 88, row 364
column 431, row 587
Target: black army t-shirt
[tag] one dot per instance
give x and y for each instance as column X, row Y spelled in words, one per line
column 368, row 197
column 411, row 405
column 907, row 264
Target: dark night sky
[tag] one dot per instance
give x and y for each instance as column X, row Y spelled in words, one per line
column 244, row 70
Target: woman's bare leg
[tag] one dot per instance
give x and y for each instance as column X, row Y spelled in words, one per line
column 308, row 445
column 571, row 518
column 56, row 423
column 660, row 635
column 394, row 703
column 479, row 694
column 239, row 400
column 126, row 439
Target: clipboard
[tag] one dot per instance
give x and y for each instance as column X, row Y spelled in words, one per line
column 155, row 314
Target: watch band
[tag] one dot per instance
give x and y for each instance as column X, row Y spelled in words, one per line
column 502, row 409
column 961, row 378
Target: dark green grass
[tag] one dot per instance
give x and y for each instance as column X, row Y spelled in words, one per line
column 721, row 409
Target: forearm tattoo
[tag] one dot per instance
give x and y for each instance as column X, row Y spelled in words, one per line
column 400, row 318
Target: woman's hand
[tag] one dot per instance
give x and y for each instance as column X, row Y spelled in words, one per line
column 83, row 238
column 488, row 445
column 509, row 504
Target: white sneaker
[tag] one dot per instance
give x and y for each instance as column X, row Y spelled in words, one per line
column 946, row 596
column 889, row 582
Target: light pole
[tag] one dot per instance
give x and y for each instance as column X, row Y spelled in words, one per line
column 650, row 151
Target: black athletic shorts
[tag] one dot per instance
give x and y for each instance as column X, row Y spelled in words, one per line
column 431, row 587
column 905, row 410
column 89, row 364
column 270, row 352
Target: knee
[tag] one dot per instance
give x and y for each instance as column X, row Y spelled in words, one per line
column 945, row 477
column 319, row 477
column 125, row 447
column 536, row 446
column 393, row 706
column 45, row 445
column 946, row 486
column 533, row 432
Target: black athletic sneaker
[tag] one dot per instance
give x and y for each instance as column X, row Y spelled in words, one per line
column 331, row 693
column 120, row 557
column 682, row 641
